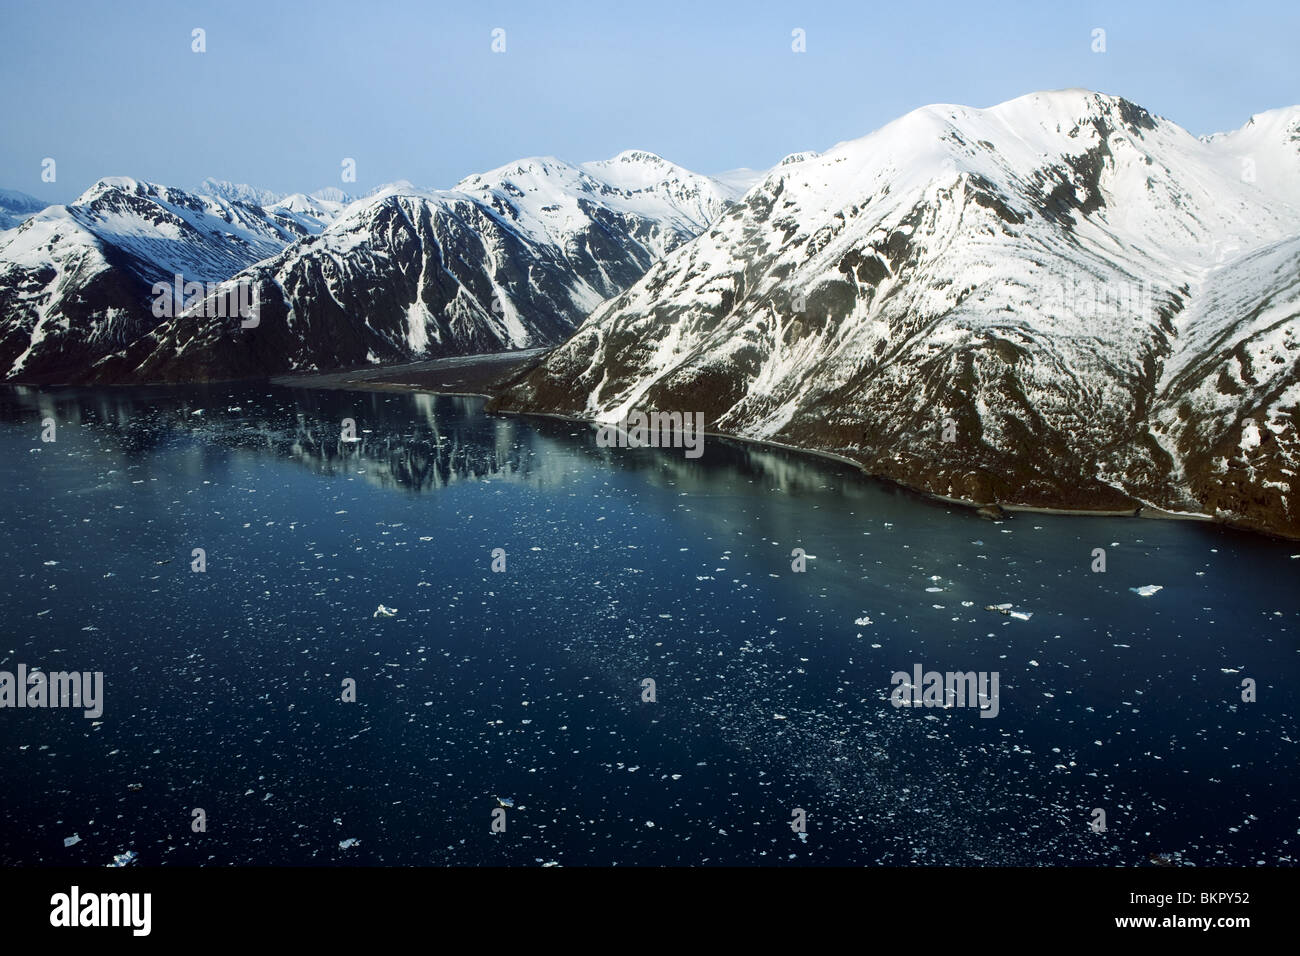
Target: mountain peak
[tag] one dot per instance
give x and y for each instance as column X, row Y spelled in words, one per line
column 15, row 207
column 1077, row 103
column 16, row 201
column 1283, row 118
column 639, row 156
column 332, row 194
column 124, row 183
column 119, row 184
column 239, row 192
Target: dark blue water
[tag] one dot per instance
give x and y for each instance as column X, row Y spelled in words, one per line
column 223, row 688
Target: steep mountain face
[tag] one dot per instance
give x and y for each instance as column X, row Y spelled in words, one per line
column 76, row 280
column 1225, row 406
column 15, row 207
column 1062, row 301
column 509, row 259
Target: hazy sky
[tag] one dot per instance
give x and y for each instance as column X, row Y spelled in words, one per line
column 287, row 90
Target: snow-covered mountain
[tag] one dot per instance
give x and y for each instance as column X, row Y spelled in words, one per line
column 1059, row 301
column 76, row 280
column 238, row 192
column 309, row 213
column 1266, row 151
column 15, row 207
column 508, row 259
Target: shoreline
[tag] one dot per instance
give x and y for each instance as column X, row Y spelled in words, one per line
column 514, row 361
column 1139, row 511
column 466, row 375
column 472, row 374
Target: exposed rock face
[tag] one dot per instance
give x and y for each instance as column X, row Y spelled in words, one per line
column 1062, row 301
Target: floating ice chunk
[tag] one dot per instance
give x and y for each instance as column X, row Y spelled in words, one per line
column 349, row 843
column 507, row 802
column 72, row 840
column 1147, row 589
column 1006, row 609
column 124, row 859
column 862, row 621
column 778, row 717
column 382, row 611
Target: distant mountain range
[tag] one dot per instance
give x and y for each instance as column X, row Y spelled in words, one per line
column 513, row 258
column 509, row 259
column 16, row 207
column 1062, row 301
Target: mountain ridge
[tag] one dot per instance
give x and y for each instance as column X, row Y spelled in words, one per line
column 1021, row 273
column 511, row 258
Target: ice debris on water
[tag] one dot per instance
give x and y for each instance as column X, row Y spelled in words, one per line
column 1007, row 610
column 349, row 843
column 382, row 611
column 72, row 840
column 507, row 802
column 123, row 859
column 1147, row 589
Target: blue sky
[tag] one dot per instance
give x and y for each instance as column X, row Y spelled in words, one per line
column 413, row 91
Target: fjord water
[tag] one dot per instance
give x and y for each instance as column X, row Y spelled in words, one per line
column 223, row 688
